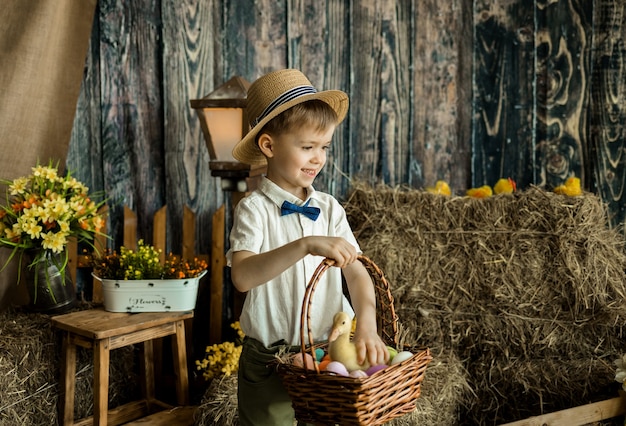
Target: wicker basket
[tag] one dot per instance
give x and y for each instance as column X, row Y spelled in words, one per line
column 324, row 398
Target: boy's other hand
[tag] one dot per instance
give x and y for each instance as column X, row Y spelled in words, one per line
column 370, row 346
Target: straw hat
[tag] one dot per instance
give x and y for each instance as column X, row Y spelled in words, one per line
column 274, row 93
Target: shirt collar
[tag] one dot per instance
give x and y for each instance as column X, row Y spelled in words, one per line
column 279, row 195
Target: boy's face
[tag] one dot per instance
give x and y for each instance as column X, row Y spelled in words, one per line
column 295, row 158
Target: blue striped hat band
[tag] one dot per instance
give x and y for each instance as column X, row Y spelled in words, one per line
column 289, row 95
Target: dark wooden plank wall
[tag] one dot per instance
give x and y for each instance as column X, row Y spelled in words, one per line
column 607, row 130
column 463, row 91
column 504, row 126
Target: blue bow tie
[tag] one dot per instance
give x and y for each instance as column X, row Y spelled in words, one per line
column 310, row 212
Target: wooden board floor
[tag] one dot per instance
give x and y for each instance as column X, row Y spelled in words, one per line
column 177, row 416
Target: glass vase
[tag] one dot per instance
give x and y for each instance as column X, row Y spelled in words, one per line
column 51, row 290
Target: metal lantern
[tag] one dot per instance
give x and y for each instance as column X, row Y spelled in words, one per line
column 224, row 122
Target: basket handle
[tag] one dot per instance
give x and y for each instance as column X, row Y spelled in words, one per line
column 386, row 318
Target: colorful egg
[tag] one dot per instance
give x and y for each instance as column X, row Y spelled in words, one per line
column 375, row 369
column 337, row 368
column 323, row 364
column 319, row 354
column 392, row 352
column 308, row 361
column 402, row 356
column 358, row 374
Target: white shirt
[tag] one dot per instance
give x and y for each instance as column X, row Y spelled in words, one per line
column 271, row 311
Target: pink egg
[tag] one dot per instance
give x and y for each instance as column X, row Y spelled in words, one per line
column 308, row 361
column 337, row 368
column 375, row 369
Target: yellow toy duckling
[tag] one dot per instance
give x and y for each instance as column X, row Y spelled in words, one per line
column 482, row 192
column 571, row 187
column 340, row 348
column 505, row 186
column 441, row 187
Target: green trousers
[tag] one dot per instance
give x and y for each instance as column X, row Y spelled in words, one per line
column 262, row 399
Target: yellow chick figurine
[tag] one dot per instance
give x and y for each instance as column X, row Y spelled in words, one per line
column 482, row 192
column 441, row 187
column 571, row 187
column 505, row 186
column 340, row 348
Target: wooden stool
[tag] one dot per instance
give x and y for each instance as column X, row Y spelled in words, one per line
column 104, row 331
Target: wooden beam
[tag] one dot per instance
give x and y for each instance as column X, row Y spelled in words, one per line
column 72, row 258
column 130, row 229
column 218, row 262
column 159, row 231
column 189, row 233
column 581, row 415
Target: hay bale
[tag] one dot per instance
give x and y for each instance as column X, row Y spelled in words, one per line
column 27, row 380
column 30, row 360
column 219, row 403
column 445, row 384
column 504, row 245
column 505, row 282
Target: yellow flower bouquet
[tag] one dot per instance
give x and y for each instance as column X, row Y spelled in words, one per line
column 43, row 211
column 222, row 359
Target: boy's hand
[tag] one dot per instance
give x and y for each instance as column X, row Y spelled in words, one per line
column 336, row 248
column 370, row 344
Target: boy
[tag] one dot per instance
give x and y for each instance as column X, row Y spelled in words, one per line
column 275, row 249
